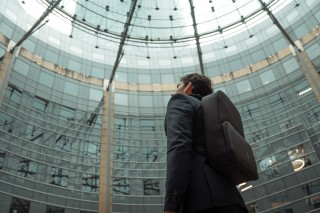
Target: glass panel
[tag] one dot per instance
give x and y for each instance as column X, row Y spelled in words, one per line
column 95, row 94
column 21, row 67
column 27, row 169
column 71, row 88
column 40, row 104
column 290, row 65
column 243, row 86
column 267, row 77
column 121, row 186
column 121, row 99
column 145, row 101
column 59, row 177
column 46, row 79
column 151, row 187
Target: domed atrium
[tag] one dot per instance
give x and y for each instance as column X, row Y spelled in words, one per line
column 85, row 86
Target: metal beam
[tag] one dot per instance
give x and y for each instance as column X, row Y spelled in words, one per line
column 301, row 57
column 196, row 35
column 276, row 22
column 34, row 27
column 123, row 39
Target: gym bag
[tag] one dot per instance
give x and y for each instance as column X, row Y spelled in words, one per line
column 227, row 151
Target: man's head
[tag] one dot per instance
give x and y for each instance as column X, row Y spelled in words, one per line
column 194, row 84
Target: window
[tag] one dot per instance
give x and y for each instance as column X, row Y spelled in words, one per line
column 252, row 207
column 290, row 65
column 95, row 95
column 268, row 166
column 313, row 51
column 40, row 104
column 92, row 149
column 278, row 200
column 267, row 77
column 121, row 186
column 121, row 153
column 34, row 134
column 74, row 65
column 144, row 79
column 145, row 101
column 59, row 177
column 251, row 109
column 166, row 99
column 314, row 115
column 63, row 143
column 21, row 67
column 121, row 77
column 46, row 79
column 300, row 30
column 151, row 187
column 95, row 119
column 243, row 86
column 14, row 93
column 67, row 113
column 121, row 99
column 6, row 123
column 27, row 169
column 223, row 89
column 54, row 209
column 19, row 205
column 267, row 162
column 167, row 78
column 90, row 183
column 147, row 125
column 71, row 88
column 2, row 157
column 149, row 154
column 276, row 100
column 120, row 123
column 296, row 156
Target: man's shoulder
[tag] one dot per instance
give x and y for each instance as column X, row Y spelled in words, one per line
column 184, row 101
column 184, row 97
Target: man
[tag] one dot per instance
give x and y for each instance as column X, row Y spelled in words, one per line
column 191, row 185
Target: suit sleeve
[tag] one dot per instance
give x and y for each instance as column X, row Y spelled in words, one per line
column 179, row 125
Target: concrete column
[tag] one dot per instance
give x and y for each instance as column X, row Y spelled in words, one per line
column 4, row 74
column 308, row 69
column 105, row 190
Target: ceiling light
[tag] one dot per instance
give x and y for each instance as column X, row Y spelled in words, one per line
column 242, row 184
column 305, row 91
column 298, row 164
column 246, row 188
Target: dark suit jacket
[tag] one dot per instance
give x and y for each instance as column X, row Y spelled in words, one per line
column 191, row 184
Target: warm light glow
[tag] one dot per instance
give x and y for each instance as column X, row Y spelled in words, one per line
column 298, row 164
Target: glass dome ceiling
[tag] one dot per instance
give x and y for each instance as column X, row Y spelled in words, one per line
column 150, row 34
column 156, row 21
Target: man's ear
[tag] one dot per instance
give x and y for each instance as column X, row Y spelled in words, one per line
column 188, row 89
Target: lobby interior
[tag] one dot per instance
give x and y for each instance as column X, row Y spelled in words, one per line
column 85, row 85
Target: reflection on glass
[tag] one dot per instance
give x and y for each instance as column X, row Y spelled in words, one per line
column 59, row 177
column 27, row 169
column 90, row 183
column 151, row 187
column 121, row 186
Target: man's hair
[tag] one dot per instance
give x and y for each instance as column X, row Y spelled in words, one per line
column 201, row 83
